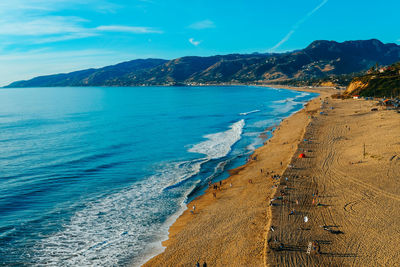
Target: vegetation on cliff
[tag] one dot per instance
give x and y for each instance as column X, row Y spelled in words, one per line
column 378, row 82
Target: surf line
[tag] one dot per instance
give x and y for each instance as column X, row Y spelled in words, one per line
column 247, row 113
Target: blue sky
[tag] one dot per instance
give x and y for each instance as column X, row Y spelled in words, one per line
column 40, row 37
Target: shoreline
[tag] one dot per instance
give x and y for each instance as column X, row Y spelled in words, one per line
column 206, row 203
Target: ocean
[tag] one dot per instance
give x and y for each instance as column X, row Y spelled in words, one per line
column 95, row 176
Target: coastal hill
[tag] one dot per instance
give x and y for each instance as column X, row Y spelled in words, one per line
column 318, row 60
column 379, row 82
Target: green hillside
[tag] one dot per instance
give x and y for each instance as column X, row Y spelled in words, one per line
column 379, row 82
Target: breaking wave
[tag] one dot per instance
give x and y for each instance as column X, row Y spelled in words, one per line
column 219, row 144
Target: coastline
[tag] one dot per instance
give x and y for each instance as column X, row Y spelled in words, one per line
column 240, row 203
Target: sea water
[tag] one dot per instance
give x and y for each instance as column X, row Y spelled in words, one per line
column 95, row 176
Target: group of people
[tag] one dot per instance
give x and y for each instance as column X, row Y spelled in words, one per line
column 215, row 187
column 315, row 198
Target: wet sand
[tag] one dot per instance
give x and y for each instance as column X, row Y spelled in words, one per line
column 357, row 222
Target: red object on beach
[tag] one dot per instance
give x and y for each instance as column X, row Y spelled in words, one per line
column 302, row 156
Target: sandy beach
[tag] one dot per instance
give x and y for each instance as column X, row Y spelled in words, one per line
column 348, row 187
column 354, row 218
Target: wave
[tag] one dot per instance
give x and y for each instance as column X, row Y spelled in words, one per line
column 107, row 230
column 291, row 99
column 256, row 143
column 289, row 104
column 250, row 112
column 264, row 123
column 184, row 171
column 218, row 145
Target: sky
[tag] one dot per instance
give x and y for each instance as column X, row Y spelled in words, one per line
column 39, row 37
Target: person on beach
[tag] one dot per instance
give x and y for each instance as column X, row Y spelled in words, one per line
column 197, row 264
column 194, row 208
column 214, row 194
column 204, row 264
column 316, row 247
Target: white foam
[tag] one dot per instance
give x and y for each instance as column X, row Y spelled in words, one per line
column 250, row 112
column 289, row 104
column 185, row 170
column 256, row 143
column 264, row 123
column 291, row 99
column 219, row 145
column 110, row 230
column 156, row 247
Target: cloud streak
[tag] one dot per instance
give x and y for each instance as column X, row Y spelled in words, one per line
column 129, row 29
column 297, row 25
column 193, row 42
column 41, row 26
column 204, row 24
column 50, row 29
column 29, row 22
column 30, row 6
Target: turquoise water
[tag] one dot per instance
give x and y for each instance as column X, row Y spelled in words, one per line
column 95, row 176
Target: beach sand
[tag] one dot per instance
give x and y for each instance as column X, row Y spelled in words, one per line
column 357, row 221
column 359, row 196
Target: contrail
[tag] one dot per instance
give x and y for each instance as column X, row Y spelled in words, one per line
column 298, row 24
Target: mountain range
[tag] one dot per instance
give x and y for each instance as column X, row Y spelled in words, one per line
column 319, row 59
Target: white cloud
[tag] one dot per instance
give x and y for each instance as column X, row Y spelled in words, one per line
column 34, row 19
column 56, row 29
column 204, row 24
column 41, row 26
column 297, row 25
column 130, row 29
column 60, row 38
column 29, row 6
column 193, row 42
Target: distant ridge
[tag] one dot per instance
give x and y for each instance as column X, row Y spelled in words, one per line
column 319, row 59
